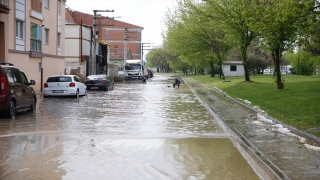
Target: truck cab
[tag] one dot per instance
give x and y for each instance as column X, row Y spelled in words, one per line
column 135, row 70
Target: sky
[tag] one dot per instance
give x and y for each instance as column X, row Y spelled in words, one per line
column 148, row 14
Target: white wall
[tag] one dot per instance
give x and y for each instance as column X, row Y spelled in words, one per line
column 227, row 72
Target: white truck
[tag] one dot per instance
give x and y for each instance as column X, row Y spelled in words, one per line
column 135, row 70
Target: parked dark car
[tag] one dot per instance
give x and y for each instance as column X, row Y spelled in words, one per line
column 99, row 81
column 16, row 94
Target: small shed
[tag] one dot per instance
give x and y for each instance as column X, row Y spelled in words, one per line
column 233, row 68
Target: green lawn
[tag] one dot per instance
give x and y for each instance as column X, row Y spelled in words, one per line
column 298, row 104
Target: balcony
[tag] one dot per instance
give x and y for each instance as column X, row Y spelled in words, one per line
column 4, row 6
column 35, row 45
column 35, row 48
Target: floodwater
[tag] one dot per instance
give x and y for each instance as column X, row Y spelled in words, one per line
column 137, row 131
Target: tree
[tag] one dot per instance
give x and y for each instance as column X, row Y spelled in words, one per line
column 229, row 15
column 258, row 60
column 303, row 62
column 278, row 23
column 199, row 41
column 156, row 58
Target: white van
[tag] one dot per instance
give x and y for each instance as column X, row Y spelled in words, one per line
column 136, row 70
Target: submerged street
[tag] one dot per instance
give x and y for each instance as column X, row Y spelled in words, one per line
column 136, row 131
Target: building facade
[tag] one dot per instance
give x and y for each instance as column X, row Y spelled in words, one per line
column 124, row 39
column 32, row 37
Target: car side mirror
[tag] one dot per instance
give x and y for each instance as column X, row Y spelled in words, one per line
column 32, row 82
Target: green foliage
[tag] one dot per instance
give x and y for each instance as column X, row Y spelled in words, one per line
column 203, row 33
column 309, row 35
column 278, row 23
column 230, row 16
column 195, row 39
column 303, row 62
column 156, row 58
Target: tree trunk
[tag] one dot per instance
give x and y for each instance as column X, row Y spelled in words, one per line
column 220, row 72
column 277, row 70
column 245, row 64
column 212, row 69
column 246, row 72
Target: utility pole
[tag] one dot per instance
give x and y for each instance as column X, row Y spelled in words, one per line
column 143, row 48
column 94, row 63
column 126, row 38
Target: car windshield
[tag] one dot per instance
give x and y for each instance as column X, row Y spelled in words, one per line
column 59, row 79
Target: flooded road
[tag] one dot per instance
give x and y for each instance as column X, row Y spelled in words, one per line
column 137, row 131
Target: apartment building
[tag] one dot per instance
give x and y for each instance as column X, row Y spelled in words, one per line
column 32, row 37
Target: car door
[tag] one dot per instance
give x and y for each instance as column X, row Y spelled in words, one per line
column 14, row 88
column 19, row 89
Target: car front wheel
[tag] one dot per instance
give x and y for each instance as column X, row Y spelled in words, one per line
column 33, row 105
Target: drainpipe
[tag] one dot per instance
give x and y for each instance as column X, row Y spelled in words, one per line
column 94, row 42
column 41, row 62
column 81, row 42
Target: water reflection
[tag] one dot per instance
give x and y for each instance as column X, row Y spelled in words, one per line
column 207, row 158
column 30, row 157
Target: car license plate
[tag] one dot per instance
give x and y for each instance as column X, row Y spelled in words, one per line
column 94, row 87
column 57, row 91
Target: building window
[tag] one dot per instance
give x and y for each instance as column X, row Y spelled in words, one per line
column 35, row 40
column 46, row 3
column 233, row 68
column 59, row 7
column 4, row 3
column 59, row 39
column 19, row 29
column 36, row 5
column 46, row 40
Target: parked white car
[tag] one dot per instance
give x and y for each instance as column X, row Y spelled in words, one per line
column 64, row 85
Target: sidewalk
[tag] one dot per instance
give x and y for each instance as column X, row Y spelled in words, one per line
column 288, row 152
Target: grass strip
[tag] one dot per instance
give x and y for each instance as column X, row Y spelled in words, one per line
column 297, row 105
